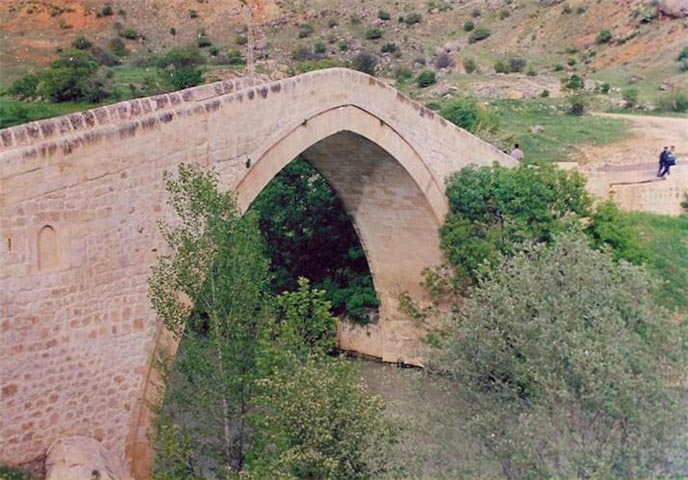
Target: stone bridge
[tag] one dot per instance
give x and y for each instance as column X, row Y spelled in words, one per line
column 81, row 195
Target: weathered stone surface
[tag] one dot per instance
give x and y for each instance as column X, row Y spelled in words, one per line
column 82, row 458
column 81, row 196
column 674, row 8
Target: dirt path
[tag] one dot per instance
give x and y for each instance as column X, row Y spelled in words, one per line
column 647, row 137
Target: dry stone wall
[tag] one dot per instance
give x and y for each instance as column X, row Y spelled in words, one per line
column 81, row 195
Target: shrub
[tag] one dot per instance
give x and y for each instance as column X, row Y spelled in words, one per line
column 129, row 34
column 465, row 112
column 173, row 31
column 517, row 64
column 504, row 13
column 426, row 78
column 630, row 97
column 403, row 74
column 319, row 47
column 117, row 47
column 383, row 15
column 580, row 10
column 475, row 13
column 82, row 43
column 354, row 19
column 301, row 53
column 413, row 18
column 558, row 67
column 193, row 14
column 544, row 93
column 683, row 65
column 605, row 36
column 242, row 40
column 389, row 47
column 233, row 57
column 444, row 60
column 566, row 9
column 373, row 33
column 531, row 72
column 203, row 41
column 181, row 65
column 73, row 77
column 574, row 82
column 564, row 343
column 365, row 62
column 106, row 11
column 469, row 65
column 674, row 101
column 571, row 62
column 605, row 88
column 343, row 46
column 25, row 87
column 494, row 210
column 332, row 22
column 577, row 105
column 214, row 51
column 501, row 67
column 305, row 30
column 683, row 54
column 468, row 26
column 478, row 34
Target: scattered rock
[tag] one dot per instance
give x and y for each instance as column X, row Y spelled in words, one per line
column 673, row 8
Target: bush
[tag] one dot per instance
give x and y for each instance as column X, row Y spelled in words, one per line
column 558, row 67
column 674, row 101
column 233, row 57
column 383, row 15
column 343, row 46
column 683, row 54
column 332, row 22
column 193, row 14
column 577, row 105
column 214, row 51
column 605, row 36
column 365, row 62
column 403, row 74
column 478, row 34
column 475, row 13
column 10, row 473
column 683, row 65
column 630, row 97
column 389, row 47
column 301, row 53
column 173, row 31
column 566, row 9
column 469, row 65
column 544, row 93
column 82, row 43
column 494, row 210
column 106, row 11
column 118, row 48
column 517, row 64
column 129, row 34
column 426, row 78
column 373, row 33
column 465, row 112
column 504, row 13
column 413, row 18
column 181, row 65
column 241, row 40
column 26, row 87
column 305, row 30
column 574, row 82
column 202, row 41
column 468, row 26
column 562, row 344
column 444, row 60
column 319, row 47
column 605, row 88
column 531, row 72
column 609, row 228
column 501, row 67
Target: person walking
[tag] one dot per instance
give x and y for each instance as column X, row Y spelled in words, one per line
column 517, row 153
column 662, row 160
column 669, row 161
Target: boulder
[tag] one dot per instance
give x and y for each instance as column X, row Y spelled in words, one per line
column 77, row 458
column 673, row 8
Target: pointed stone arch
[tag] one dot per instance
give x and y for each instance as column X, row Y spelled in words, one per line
column 48, row 248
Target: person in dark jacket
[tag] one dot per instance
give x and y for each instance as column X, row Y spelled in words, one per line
column 662, row 161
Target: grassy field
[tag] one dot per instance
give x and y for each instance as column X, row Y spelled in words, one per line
column 562, row 132
column 666, row 242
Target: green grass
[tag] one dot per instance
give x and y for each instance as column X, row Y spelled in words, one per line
column 14, row 112
column 562, row 132
column 666, row 241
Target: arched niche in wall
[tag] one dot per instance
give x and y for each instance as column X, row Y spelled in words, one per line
column 48, row 251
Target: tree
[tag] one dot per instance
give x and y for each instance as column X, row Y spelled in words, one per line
column 571, row 368
column 181, row 66
column 309, row 234
column 493, row 210
column 465, row 112
column 73, row 77
column 322, row 424
column 216, row 262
